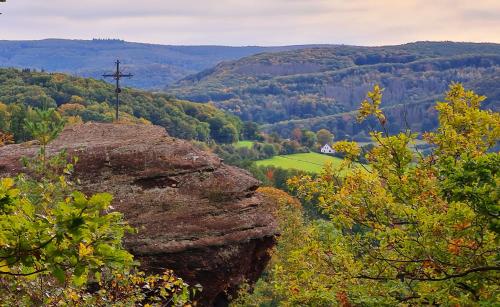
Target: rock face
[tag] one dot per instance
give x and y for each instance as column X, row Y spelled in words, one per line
column 194, row 214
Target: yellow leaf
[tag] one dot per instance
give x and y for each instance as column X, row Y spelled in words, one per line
column 4, row 267
column 7, row 183
column 85, row 250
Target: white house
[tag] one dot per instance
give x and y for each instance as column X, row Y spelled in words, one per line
column 327, row 149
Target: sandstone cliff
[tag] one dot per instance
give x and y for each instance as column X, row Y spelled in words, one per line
column 194, row 214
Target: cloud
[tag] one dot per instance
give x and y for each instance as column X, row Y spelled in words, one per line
column 98, row 9
column 482, row 15
column 254, row 22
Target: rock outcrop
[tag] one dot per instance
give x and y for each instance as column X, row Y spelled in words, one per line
column 194, row 214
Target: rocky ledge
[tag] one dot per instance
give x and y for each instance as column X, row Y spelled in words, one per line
column 194, row 214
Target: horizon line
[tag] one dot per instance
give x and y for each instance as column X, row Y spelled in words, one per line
column 246, row 46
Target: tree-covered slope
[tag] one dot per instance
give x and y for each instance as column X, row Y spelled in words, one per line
column 154, row 66
column 92, row 100
column 325, row 81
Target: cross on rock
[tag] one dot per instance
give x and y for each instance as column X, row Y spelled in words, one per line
column 117, row 76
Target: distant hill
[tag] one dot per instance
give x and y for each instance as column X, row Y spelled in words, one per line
column 319, row 87
column 87, row 99
column 154, row 66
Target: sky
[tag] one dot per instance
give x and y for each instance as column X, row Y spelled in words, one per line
column 253, row 22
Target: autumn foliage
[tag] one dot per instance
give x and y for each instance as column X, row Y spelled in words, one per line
column 409, row 229
column 6, row 138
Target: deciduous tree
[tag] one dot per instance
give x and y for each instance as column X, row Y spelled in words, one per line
column 324, row 137
column 410, row 229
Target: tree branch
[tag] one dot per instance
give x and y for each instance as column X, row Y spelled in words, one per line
column 447, row 277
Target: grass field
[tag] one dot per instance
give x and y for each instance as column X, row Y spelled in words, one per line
column 309, row 162
column 246, row 144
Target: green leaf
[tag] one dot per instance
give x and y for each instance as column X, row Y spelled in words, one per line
column 59, row 274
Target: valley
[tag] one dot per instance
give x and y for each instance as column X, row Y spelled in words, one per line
column 217, row 164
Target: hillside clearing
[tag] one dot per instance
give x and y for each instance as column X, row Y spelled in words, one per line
column 244, row 144
column 308, row 162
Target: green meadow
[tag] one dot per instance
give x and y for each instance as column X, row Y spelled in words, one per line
column 309, row 162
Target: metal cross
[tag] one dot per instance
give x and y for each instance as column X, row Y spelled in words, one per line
column 117, row 76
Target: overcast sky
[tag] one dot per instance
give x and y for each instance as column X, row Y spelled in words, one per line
column 253, row 22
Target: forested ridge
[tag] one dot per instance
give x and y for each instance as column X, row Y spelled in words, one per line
column 324, row 81
column 153, row 65
column 86, row 99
